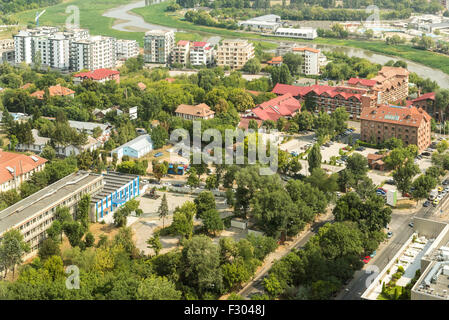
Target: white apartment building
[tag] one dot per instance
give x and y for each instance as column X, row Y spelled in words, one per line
column 201, row 53
column 180, row 53
column 127, row 49
column 303, row 33
column 158, row 46
column 234, row 53
column 311, row 60
column 52, row 46
column 96, row 52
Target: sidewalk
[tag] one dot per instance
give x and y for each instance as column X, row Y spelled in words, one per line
column 280, row 252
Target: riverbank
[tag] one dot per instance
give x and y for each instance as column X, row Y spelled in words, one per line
column 156, row 14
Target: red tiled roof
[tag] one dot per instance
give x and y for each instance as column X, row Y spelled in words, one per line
column 256, row 93
column 425, row 96
column 363, row 82
column 407, row 116
column 170, row 80
column 19, row 162
column 306, row 49
column 275, row 60
column 98, row 74
column 199, row 44
column 183, row 42
column 319, row 90
column 57, row 90
column 200, row 110
column 244, row 122
column 285, row 105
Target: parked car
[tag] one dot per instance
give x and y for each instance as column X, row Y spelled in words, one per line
column 391, row 181
column 366, row 259
column 158, row 154
column 411, row 224
column 426, row 203
column 372, row 255
column 435, row 202
column 445, row 182
column 425, row 154
column 389, row 234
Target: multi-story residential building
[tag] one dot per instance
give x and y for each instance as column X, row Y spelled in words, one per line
column 127, row 49
column 311, row 60
column 410, row 124
column 158, row 46
column 180, row 52
column 17, row 168
column 7, row 51
column 201, row 53
column 96, row 52
column 47, row 44
column 24, row 43
column 328, row 98
column 200, row 111
column 234, row 53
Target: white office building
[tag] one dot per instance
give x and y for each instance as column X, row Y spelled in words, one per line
column 303, row 33
column 269, row 22
column 158, row 46
column 96, row 52
column 127, row 49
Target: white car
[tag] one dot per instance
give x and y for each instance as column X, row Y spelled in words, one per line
column 439, row 197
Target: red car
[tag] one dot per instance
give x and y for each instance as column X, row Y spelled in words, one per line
column 366, row 259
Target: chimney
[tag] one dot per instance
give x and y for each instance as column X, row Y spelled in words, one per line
column 419, row 93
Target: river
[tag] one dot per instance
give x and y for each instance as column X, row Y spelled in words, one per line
column 131, row 22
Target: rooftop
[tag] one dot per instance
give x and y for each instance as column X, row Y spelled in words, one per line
column 57, row 90
column 137, row 143
column 15, row 164
column 98, row 74
column 407, row 116
column 44, row 199
column 200, row 110
column 285, row 105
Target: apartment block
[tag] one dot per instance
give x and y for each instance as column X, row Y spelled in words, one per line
column 127, row 49
column 96, row 52
column 158, row 46
column 311, row 60
column 410, row 124
column 7, row 51
column 180, row 52
column 48, row 44
column 201, row 53
column 234, row 53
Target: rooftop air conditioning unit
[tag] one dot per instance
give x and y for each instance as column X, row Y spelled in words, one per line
column 35, row 159
column 11, row 170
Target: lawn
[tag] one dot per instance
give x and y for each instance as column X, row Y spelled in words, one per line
column 90, row 17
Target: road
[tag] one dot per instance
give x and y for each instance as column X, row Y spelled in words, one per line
column 399, row 225
column 256, row 285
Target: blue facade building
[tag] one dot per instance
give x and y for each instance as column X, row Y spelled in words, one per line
column 118, row 189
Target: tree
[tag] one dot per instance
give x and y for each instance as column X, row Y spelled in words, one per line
column 357, row 165
column 48, row 153
column 305, row 120
column 441, row 102
column 155, row 243
column 294, row 63
column 212, row 182
column 340, row 117
column 204, row 202
column 212, row 221
column 12, row 249
column 314, row 157
column 193, row 180
column 159, row 136
column 48, row 248
column 163, row 209
column 157, row 288
column 442, row 146
column 89, row 240
column 160, row 170
column 252, row 66
column 422, row 186
column 74, row 232
column 183, row 219
column 404, row 174
column 200, row 265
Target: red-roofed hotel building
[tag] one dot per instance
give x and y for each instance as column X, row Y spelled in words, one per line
column 410, row 124
column 285, row 106
column 99, row 75
column 328, row 98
